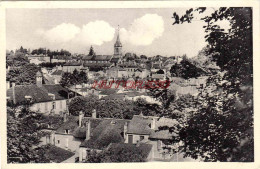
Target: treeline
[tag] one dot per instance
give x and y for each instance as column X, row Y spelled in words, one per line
column 111, row 108
column 44, row 51
column 69, row 79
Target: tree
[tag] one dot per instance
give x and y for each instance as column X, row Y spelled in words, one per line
column 129, row 153
column 69, row 79
column 23, row 137
column 24, row 75
column 222, row 127
column 91, row 52
column 85, row 104
column 186, row 70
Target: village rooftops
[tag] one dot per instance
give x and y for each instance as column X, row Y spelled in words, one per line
column 107, row 131
column 38, row 94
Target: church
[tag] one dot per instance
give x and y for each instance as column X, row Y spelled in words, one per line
column 105, row 61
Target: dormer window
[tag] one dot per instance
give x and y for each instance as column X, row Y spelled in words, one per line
column 52, row 96
column 67, row 131
column 113, row 122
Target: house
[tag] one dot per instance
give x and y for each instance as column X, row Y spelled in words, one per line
column 159, row 75
column 38, row 59
column 139, row 130
column 145, row 129
column 112, row 72
column 71, row 66
column 40, row 97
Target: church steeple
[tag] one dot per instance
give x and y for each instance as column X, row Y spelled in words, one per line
column 118, row 45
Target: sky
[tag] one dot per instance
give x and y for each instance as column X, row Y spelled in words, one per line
column 143, row 31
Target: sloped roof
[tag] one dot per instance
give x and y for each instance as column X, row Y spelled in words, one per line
column 80, row 132
column 97, row 57
column 38, row 94
column 114, row 59
column 140, row 125
column 48, row 80
column 57, row 73
column 108, row 131
column 71, row 124
column 102, row 57
column 87, row 57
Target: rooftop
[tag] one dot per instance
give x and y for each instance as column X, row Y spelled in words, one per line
column 107, row 131
column 140, row 125
column 38, row 94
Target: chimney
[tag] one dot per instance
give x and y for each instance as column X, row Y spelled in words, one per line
column 80, row 118
column 153, row 123
column 94, row 113
column 125, row 130
column 88, row 130
column 39, row 79
column 13, row 88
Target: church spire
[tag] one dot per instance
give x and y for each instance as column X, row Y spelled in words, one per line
column 118, row 43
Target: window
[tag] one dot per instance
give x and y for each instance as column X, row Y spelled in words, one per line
column 141, row 138
column 58, row 141
column 53, row 105
column 130, row 139
column 67, row 131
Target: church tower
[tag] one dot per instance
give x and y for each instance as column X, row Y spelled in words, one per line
column 118, row 46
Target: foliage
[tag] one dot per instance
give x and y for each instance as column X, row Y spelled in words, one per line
column 50, row 65
column 23, row 75
column 85, row 104
column 16, row 60
column 128, row 153
column 44, row 51
column 222, row 127
column 111, row 108
column 91, row 52
column 22, row 136
column 69, row 79
column 186, row 70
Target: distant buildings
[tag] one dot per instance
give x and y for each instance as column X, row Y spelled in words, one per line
column 38, row 59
